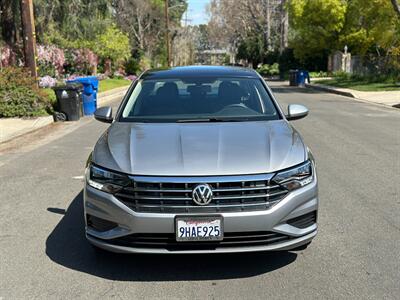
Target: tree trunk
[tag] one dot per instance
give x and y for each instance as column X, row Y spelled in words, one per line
column 10, row 21
column 284, row 27
column 107, row 67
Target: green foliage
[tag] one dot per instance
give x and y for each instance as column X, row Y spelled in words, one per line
column 316, row 25
column 46, row 69
column 112, row 44
column 319, row 74
column 19, row 96
column 369, row 25
column 269, row 70
column 145, row 63
column 227, row 59
column 320, row 27
column 60, row 22
column 287, row 61
column 132, row 66
column 253, row 49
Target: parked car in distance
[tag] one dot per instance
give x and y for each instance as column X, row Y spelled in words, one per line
column 200, row 160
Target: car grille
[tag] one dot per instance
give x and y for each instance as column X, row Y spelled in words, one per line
column 231, row 239
column 174, row 195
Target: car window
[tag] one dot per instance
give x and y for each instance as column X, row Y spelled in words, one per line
column 171, row 100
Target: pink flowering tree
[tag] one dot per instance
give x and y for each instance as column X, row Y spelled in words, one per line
column 81, row 61
column 51, row 60
column 7, row 56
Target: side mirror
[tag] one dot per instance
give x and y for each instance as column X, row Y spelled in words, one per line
column 296, row 111
column 104, row 114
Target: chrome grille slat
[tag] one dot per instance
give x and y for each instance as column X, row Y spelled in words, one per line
column 166, row 198
column 214, row 190
column 250, row 196
column 208, row 206
column 173, row 194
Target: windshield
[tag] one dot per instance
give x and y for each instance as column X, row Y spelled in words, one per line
column 199, row 100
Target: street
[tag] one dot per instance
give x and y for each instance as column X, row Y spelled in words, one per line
column 356, row 254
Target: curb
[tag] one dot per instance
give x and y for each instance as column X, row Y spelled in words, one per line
column 37, row 124
column 332, row 90
column 325, row 88
column 41, row 122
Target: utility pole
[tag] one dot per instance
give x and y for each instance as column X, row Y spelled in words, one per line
column 28, row 25
column 284, row 26
column 167, row 33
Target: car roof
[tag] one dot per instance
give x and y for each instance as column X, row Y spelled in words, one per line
column 199, row 71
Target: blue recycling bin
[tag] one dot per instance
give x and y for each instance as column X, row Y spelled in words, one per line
column 89, row 95
column 302, row 76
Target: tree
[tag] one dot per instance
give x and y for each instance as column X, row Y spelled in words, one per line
column 60, row 22
column 316, row 26
column 252, row 27
column 396, row 7
column 144, row 22
column 371, row 28
column 10, row 20
column 322, row 26
column 112, row 44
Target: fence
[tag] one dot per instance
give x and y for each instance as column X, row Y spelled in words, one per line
column 364, row 65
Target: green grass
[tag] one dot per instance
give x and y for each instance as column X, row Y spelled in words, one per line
column 362, row 84
column 109, row 84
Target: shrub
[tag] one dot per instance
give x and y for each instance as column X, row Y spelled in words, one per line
column 319, row 74
column 19, row 95
column 51, row 60
column 113, row 44
column 80, row 61
column 269, row 70
column 47, row 82
column 132, row 66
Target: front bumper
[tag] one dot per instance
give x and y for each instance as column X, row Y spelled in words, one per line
column 295, row 204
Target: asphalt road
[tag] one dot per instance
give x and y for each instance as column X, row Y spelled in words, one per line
column 43, row 252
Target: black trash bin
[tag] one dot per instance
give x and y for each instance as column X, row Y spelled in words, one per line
column 293, row 77
column 69, row 102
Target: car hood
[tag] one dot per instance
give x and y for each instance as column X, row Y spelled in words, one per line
column 199, row 149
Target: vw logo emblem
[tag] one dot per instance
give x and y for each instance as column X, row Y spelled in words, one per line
column 202, row 194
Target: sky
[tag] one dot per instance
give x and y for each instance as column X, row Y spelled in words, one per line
column 197, row 12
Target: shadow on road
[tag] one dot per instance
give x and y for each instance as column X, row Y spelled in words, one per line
column 67, row 246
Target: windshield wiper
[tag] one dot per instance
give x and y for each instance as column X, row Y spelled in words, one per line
column 208, row 120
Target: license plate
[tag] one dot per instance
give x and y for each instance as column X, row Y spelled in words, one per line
column 199, row 229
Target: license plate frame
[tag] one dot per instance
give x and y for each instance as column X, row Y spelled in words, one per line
column 200, row 219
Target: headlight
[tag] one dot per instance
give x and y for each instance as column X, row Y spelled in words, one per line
column 296, row 177
column 105, row 180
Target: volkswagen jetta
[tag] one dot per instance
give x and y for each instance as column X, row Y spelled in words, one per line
column 200, row 160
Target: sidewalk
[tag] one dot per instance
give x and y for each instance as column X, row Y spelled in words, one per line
column 388, row 98
column 14, row 127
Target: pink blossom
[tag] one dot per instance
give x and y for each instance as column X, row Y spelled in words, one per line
column 47, row 82
column 7, row 56
column 52, row 55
